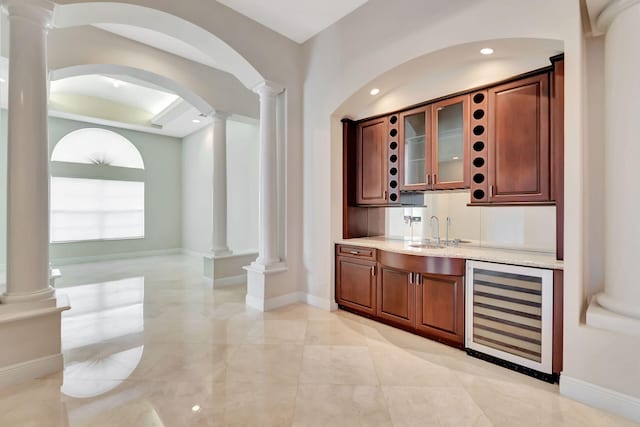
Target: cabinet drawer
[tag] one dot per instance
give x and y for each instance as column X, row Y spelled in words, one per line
column 357, row 252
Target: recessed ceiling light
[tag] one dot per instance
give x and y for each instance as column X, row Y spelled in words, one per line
column 195, row 121
column 456, row 158
column 486, row 51
column 195, row 408
column 374, row 91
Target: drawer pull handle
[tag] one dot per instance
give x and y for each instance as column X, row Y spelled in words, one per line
column 354, row 252
column 373, row 270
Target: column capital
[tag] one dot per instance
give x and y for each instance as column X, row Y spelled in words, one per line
column 611, row 11
column 220, row 115
column 37, row 11
column 268, row 88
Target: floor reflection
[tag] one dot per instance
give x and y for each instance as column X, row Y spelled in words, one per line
column 102, row 313
column 148, row 342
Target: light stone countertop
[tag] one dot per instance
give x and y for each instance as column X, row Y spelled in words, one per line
column 466, row 251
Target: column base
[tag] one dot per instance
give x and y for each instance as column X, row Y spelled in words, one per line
column 39, row 355
column 603, row 318
column 259, row 267
column 616, row 305
column 227, row 270
column 44, row 294
column 262, row 279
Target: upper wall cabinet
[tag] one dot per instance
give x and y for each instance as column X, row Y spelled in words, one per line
column 450, row 148
column 519, row 149
column 377, row 162
column 434, row 146
column 495, row 140
column 415, row 153
column 372, row 162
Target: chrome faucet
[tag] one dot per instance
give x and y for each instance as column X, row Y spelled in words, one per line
column 437, row 228
column 446, row 242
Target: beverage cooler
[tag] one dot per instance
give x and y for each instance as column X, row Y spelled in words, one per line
column 509, row 315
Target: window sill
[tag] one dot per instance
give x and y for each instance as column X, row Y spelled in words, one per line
column 116, row 239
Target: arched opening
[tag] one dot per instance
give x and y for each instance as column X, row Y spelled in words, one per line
column 83, row 166
column 223, row 56
column 430, row 76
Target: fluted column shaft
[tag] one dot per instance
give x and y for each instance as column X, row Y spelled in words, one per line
column 28, row 153
column 268, row 214
column 219, row 240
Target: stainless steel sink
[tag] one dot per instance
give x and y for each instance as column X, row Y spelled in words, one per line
column 426, row 245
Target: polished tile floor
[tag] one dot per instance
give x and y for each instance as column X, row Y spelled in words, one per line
column 149, row 343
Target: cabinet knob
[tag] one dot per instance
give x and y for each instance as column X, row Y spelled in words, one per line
column 354, row 252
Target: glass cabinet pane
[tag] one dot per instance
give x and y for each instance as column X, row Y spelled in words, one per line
column 450, row 143
column 414, row 148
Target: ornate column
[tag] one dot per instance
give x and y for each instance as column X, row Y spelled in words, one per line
column 618, row 307
column 262, row 274
column 30, row 313
column 219, row 241
column 268, row 215
column 28, row 153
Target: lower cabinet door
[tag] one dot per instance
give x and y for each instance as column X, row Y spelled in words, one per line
column 440, row 307
column 356, row 284
column 396, row 297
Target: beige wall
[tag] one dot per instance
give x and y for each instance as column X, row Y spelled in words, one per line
column 345, row 59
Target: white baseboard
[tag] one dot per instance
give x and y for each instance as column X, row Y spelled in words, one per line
column 117, row 256
column 31, row 369
column 229, row 281
column 287, row 299
column 194, row 253
column 600, row 397
column 321, row 303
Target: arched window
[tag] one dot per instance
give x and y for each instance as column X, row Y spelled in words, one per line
column 85, row 205
column 95, row 146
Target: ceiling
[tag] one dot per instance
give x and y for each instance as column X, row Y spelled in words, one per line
column 116, row 90
column 295, row 19
column 118, row 101
column 124, row 102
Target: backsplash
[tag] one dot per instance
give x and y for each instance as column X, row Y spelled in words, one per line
column 511, row 227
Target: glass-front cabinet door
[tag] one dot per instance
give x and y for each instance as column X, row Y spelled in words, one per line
column 450, row 142
column 415, row 152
